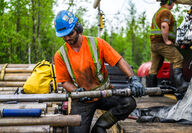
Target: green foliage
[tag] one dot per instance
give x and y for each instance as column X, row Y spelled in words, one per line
column 92, row 31
column 28, row 35
column 26, row 25
column 137, row 48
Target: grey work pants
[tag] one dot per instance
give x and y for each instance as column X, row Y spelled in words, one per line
column 120, row 107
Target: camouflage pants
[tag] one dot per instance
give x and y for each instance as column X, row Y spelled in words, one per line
column 161, row 51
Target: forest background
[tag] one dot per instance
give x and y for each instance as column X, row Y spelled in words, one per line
column 27, row 33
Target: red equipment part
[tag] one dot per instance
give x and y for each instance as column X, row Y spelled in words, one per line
column 164, row 71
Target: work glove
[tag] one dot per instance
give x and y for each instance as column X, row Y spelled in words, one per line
column 137, row 89
column 83, row 99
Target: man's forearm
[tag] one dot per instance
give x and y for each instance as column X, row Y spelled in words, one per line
column 165, row 31
column 69, row 86
column 125, row 67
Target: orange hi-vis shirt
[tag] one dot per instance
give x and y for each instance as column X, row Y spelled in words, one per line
column 82, row 64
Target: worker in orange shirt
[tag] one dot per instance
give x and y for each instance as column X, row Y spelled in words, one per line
column 80, row 66
column 163, row 36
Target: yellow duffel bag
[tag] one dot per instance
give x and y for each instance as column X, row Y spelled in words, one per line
column 40, row 79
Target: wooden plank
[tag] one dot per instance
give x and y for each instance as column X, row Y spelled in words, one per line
column 150, row 101
column 130, row 126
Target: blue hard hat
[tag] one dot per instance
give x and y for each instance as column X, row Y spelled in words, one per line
column 65, row 21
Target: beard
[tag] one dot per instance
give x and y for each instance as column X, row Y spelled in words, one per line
column 73, row 41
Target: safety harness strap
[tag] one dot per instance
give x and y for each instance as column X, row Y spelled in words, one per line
column 105, row 85
column 55, row 86
column 63, row 52
column 93, row 47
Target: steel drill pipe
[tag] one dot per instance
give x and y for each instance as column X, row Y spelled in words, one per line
column 55, row 120
column 8, row 89
column 42, row 106
column 18, row 70
column 34, row 97
column 17, row 84
column 26, row 129
column 75, row 95
column 11, row 84
column 13, row 89
column 15, row 78
column 17, row 65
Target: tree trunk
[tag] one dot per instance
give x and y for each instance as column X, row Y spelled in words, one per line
column 33, row 36
column 2, row 3
column 38, row 21
column 29, row 44
column 18, row 16
column 18, row 25
column 29, row 53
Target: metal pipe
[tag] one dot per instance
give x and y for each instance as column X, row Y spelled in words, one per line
column 26, row 129
column 17, row 84
column 18, row 70
column 75, row 95
column 96, row 3
column 16, row 78
column 18, row 74
column 54, row 120
column 18, row 65
column 21, row 113
column 13, row 89
column 6, row 93
column 34, row 97
column 11, row 84
column 8, row 89
column 42, row 106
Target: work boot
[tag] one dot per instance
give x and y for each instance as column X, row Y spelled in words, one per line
column 151, row 80
column 180, row 83
column 104, row 122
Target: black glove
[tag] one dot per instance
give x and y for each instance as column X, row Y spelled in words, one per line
column 137, row 88
column 83, row 99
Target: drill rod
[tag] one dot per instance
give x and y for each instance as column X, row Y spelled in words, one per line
column 53, row 97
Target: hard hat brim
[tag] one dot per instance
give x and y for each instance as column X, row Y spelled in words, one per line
column 66, row 31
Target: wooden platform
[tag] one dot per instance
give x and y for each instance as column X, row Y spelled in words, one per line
column 131, row 126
